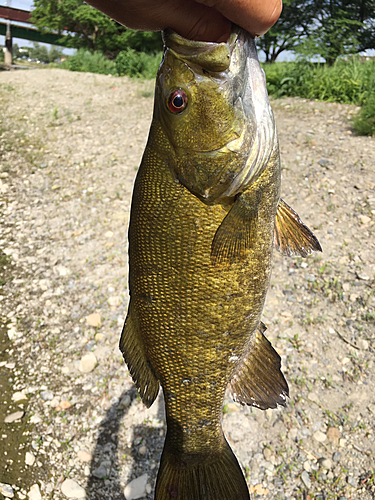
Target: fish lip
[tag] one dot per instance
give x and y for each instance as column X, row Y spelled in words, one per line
column 185, row 46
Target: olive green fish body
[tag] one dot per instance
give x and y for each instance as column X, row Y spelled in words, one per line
column 201, row 236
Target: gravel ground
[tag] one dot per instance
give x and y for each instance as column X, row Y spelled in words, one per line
column 71, row 423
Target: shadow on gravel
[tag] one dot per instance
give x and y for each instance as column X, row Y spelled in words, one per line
column 104, row 480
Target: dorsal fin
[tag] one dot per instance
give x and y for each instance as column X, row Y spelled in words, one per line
column 292, row 237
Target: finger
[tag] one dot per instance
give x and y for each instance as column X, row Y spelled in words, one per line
column 255, row 16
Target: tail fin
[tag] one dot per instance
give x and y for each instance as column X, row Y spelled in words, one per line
column 217, row 476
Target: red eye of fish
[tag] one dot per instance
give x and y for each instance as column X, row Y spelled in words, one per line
column 177, row 101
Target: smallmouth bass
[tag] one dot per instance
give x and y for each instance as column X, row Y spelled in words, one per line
column 205, row 216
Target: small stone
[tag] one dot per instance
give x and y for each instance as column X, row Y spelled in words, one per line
column 6, row 490
column 142, row 450
column 136, row 488
column 34, row 493
column 342, row 442
column 64, row 405
column 352, row 481
column 29, row 458
column 19, row 396
column 46, row 395
column 365, row 219
column 9, row 419
column 148, row 488
column 108, row 234
column 87, row 363
column 306, row 479
column 124, row 402
column 267, row 453
column 362, row 344
column 62, row 270
column 333, row 435
column 319, row 436
column 35, row 419
column 325, row 463
column 307, row 466
column 336, row 457
column 84, row 456
column 72, row 489
column 102, row 471
column 94, row 320
column 87, row 470
column 115, row 301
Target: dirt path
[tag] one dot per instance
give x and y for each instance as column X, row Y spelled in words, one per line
column 70, row 146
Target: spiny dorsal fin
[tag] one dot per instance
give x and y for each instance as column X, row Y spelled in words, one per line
column 233, row 237
column 291, row 236
column 135, row 357
column 258, row 380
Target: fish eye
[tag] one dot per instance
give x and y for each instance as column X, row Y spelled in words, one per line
column 177, row 101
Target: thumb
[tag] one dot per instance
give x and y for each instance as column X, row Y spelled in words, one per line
column 199, row 22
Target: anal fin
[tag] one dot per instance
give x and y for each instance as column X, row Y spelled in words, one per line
column 233, row 238
column 291, row 236
column 135, row 357
column 258, row 380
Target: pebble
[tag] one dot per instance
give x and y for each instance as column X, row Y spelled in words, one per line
column 19, row 396
column 72, row 489
column 319, row 436
column 6, row 490
column 34, row 493
column 84, row 456
column 333, row 435
column 36, row 419
column 94, row 319
column 124, row 402
column 136, row 488
column 142, row 450
column 29, row 458
column 9, row 419
column 305, row 477
column 102, row 471
column 115, row 301
column 63, row 405
column 267, row 453
column 352, row 481
column 87, row 363
column 307, row 466
column 336, row 457
column 325, row 463
column 46, row 395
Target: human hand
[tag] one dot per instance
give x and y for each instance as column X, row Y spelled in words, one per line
column 206, row 20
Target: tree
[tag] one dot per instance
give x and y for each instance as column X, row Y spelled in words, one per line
column 292, row 28
column 82, row 26
column 341, row 27
column 327, row 28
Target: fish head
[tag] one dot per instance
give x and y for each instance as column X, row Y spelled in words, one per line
column 206, row 102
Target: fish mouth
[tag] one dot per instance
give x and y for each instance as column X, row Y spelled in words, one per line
column 214, row 56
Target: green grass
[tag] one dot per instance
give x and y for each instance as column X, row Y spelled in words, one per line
column 348, row 82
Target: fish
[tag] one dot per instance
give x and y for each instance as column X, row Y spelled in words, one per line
column 206, row 214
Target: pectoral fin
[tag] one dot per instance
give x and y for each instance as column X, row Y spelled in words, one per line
column 258, row 380
column 135, row 357
column 233, row 238
column 291, row 236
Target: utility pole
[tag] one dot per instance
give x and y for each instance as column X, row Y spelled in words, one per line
column 8, row 56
